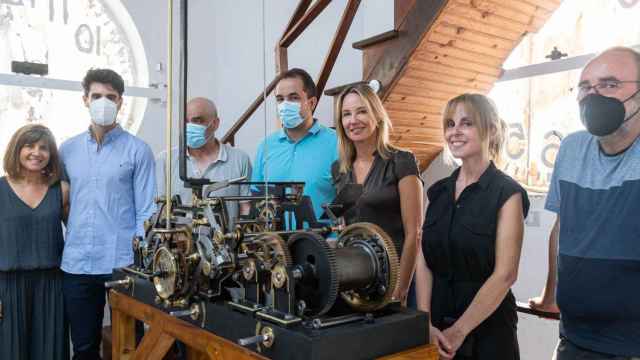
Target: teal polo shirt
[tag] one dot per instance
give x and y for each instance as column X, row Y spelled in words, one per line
column 308, row 160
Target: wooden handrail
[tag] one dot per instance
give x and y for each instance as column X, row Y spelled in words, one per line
column 527, row 309
column 303, row 23
column 282, row 58
column 302, row 17
column 230, row 135
column 298, row 13
column 336, row 45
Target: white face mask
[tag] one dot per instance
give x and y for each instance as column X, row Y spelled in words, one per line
column 103, row 111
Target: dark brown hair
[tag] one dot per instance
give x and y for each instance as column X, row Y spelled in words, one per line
column 308, row 85
column 26, row 135
column 103, row 76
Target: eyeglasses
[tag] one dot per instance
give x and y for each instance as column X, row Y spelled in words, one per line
column 606, row 87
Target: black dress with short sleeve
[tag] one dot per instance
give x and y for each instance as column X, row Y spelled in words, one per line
column 377, row 200
column 458, row 242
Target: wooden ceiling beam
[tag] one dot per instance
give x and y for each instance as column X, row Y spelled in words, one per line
column 488, row 18
column 456, row 62
column 469, row 34
column 447, row 70
column 483, row 27
column 501, row 10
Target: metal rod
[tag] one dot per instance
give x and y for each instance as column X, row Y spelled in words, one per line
column 252, row 340
column 70, row 85
column 321, row 324
column 182, row 97
column 125, row 283
column 167, row 172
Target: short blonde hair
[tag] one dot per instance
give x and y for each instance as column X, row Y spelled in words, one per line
column 26, row 135
column 484, row 113
column 346, row 149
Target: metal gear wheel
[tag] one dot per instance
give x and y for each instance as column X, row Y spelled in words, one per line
column 318, row 290
column 388, row 257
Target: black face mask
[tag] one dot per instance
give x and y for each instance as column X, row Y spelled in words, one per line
column 603, row 115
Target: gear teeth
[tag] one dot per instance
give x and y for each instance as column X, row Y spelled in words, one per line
column 393, row 262
column 275, row 242
column 330, row 256
column 333, row 266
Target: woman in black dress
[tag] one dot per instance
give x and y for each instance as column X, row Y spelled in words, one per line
column 33, row 202
column 375, row 181
column 472, row 237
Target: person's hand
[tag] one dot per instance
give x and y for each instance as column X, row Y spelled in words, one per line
column 544, row 303
column 454, row 336
column 399, row 296
column 438, row 339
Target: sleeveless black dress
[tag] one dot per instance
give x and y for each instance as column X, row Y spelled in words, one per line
column 458, row 242
column 32, row 322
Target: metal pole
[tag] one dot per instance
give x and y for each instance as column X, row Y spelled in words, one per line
column 167, row 172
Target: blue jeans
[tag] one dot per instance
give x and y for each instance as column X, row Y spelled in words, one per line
column 567, row 350
column 84, row 297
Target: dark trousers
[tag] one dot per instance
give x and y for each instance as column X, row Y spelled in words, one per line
column 84, row 297
column 567, row 350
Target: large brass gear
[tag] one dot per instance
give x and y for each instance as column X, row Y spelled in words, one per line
column 167, row 268
column 274, row 250
column 374, row 233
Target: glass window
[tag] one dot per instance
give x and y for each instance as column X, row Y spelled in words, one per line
column 541, row 110
column 71, row 37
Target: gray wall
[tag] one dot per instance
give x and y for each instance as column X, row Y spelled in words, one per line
column 226, row 65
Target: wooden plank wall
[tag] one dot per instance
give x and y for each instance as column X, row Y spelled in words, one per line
column 463, row 51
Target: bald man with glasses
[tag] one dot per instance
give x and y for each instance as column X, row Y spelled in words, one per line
column 594, row 246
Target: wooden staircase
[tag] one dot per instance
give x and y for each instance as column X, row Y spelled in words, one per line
column 439, row 49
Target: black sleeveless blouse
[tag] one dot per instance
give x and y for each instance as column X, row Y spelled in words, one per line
column 30, row 238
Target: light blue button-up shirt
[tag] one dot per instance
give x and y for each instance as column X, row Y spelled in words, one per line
column 112, row 187
column 308, row 160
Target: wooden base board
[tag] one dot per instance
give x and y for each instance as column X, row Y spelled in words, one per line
column 164, row 330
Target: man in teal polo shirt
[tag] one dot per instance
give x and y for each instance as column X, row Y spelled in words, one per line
column 303, row 150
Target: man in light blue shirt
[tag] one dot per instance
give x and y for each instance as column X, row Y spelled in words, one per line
column 112, row 186
column 303, row 150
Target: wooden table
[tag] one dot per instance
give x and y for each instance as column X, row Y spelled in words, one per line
column 164, row 330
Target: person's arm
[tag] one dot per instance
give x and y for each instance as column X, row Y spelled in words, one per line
column 257, row 174
column 245, row 206
column 144, row 188
column 547, row 301
column 424, row 285
column 508, row 246
column 410, row 189
column 64, row 186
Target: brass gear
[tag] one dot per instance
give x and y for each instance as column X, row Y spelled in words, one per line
column 383, row 240
column 167, row 267
column 274, row 250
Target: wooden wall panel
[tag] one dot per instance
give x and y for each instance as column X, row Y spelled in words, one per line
column 462, row 51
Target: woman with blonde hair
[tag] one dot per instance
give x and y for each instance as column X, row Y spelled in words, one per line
column 471, row 240
column 375, row 181
column 33, row 204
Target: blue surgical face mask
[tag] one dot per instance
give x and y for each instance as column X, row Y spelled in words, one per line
column 289, row 113
column 196, row 135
